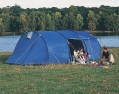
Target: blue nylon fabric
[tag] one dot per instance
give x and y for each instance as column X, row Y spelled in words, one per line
column 92, row 45
column 51, row 47
column 57, row 47
column 93, row 49
column 85, row 35
column 36, row 55
column 29, row 51
column 69, row 34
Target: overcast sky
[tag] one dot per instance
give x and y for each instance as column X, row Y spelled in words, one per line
column 58, row 3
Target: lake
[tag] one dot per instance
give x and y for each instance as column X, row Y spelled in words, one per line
column 8, row 43
column 109, row 41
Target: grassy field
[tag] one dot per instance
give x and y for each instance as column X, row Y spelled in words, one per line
column 59, row 79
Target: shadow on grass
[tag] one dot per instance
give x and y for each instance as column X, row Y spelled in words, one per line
column 4, row 57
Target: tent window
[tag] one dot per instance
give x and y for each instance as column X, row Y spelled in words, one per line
column 74, row 45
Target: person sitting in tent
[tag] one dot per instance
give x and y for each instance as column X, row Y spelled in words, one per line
column 85, row 55
column 75, row 56
column 86, row 59
column 80, row 51
column 81, row 58
column 107, row 58
column 78, row 55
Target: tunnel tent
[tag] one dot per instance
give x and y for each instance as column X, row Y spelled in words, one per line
column 53, row 47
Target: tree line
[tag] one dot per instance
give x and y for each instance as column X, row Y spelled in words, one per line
column 17, row 19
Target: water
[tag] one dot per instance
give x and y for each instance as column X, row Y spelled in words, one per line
column 8, row 43
column 108, row 41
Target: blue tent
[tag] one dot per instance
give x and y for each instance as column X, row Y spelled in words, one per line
column 53, row 47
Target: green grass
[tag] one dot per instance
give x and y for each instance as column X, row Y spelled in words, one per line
column 58, row 79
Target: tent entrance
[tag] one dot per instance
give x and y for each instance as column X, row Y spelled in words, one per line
column 74, row 44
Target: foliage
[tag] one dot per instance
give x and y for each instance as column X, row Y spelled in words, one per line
column 91, row 21
column 17, row 19
column 59, row 79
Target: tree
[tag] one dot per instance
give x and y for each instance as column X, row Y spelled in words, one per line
column 15, row 10
column 6, row 22
column 78, row 22
column 57, row 19
column 23, row 22
column 42, row 26
column 32, row 21
column 73, row 9
column 1, row 25
column 40, row 21
column 84, row 12
column 75, row 25
column 101, row 21
column 91, row 20
column 17, row 19
column 71, row 20
column 115, row 22
column 14, row 24
column 48, row 22
column 108, row 23
column 65, row 21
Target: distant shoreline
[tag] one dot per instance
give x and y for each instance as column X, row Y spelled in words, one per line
column 10, row 33
column 95, row 33
column 103, row 33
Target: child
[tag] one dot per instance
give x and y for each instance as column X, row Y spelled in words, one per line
column 80, row 51
column 85, row 55
column 81, row 56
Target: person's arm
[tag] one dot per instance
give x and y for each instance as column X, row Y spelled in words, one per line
column 102, row 56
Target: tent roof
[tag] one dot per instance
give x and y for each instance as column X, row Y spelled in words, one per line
column 68, row 34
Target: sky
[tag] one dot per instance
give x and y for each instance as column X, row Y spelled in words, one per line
column 58, row 3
